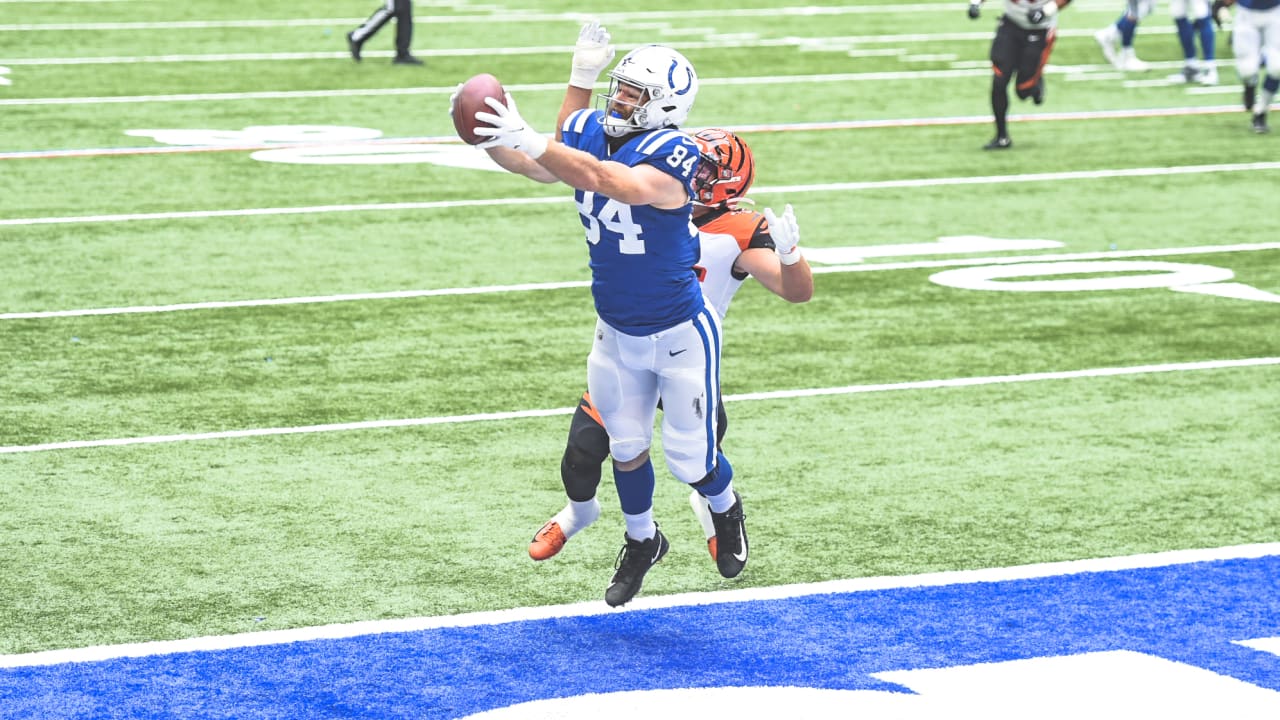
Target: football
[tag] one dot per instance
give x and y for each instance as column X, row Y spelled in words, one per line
column 469, row 100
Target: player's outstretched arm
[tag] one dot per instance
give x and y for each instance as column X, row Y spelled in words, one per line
column 639, row 185
column 783, row 271
column 516, row 145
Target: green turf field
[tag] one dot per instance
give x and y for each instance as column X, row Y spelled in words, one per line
column 170, row 472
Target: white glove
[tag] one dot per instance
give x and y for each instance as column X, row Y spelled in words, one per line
column 509, row 129
column 786, row 234
column 591, row 55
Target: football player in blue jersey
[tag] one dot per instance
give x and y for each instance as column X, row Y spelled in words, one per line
column 737, row 243
column 1255, row 41
column 633, row 172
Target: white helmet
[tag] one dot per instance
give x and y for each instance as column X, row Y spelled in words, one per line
column 669, row 82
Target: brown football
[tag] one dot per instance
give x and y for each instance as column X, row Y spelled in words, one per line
column 470, row 100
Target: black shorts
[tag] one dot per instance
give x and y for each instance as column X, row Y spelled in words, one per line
column 1021, row 52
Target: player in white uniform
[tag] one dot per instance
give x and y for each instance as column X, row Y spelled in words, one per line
column 737, row 243
column 1255, row 41
column 632, row 170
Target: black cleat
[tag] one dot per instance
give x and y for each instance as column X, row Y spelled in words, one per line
column 999, row 143
column 731, row 538
column 354, row 46
column 406, row 59
column 1260, row 123
column 1037, row 95
column 634, row 560
column 1250, row 94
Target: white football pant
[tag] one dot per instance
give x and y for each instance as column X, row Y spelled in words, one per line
column 626, row 374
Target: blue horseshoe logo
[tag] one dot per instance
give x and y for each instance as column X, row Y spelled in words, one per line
column 671, row 78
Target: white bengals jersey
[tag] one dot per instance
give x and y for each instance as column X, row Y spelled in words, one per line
column 1016, row 11
column 723, row 236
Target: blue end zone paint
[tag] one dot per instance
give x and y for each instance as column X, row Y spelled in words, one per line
column 1187, row 613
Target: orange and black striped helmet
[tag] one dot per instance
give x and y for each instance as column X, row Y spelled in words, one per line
column 727, row 168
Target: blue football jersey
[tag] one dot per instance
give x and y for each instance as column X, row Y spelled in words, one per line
column 642, row 258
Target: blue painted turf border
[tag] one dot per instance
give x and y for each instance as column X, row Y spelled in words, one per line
column 1191, row 613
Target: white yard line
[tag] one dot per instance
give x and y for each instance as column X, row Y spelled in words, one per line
column 755, row 81
column 446, row 90
column 564, row 285
column 826, row 187
column 641, row 604
column 846, row 43
column 752, row 128
column 665, row 17
column 307, row 300
column 774, row 395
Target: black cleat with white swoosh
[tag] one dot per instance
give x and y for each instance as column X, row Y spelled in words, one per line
column 634, row 560
column 731, row 538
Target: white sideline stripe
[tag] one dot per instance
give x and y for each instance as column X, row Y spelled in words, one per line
column 395, row 294
column 772, row 395
column 808, row 43
column 489, row 18
column 438, row 90
column 827, row 187
column 524, row 287
column 592, row 608
column 1030, row 177
column 194, row 214
column 1003, row 379
column 756, row 128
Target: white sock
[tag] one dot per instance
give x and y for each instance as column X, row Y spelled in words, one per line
column 722, row 502
column 641, row 527
column 577, row 515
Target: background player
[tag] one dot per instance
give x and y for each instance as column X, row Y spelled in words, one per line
column 1192, row 20
column 1255, row 41
column 1024, row 38
column 1116, row 39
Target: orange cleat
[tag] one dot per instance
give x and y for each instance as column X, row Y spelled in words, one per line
column 548, row 541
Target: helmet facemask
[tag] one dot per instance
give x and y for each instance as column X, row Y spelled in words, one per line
column 615, row 124
column 667, row 85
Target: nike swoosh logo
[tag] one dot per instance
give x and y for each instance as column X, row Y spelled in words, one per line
column 742, row 542
column 674, row 353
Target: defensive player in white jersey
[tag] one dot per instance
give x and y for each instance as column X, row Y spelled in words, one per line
column 737, row 243
column 1024, row 38
column 632, row 170
column 1255, row 41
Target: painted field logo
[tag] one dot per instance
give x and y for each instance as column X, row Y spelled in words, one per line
column 1108, row 275
column 326, row 145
